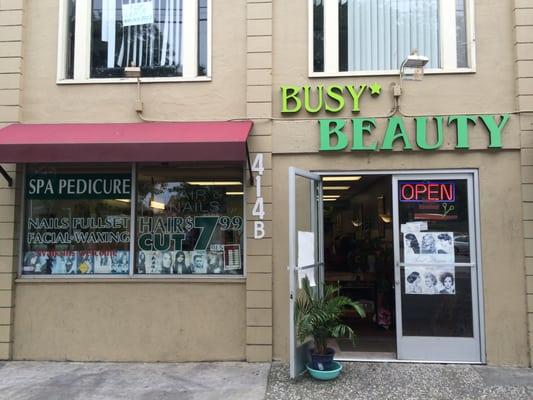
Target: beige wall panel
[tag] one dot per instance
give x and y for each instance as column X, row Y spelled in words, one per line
column 259, row 27
column 10, row 49
column 259, row 10
column 9, row 113
column 5, row 333
column 5, row 316
column 259, row 247
column 527, row 174
column 525, row 85
column 528, row 229
column 10, row 17
column 10, row 81
column 6, row 298
column 525, row 102
column 498, row 191
column 9, row 97
column 259, row 77
column 526, row 157
column 524, row 69
column 256, row 44
column 47, row 102
column 5, row 351
column 528, row 211
column 259, row 264
column 259, row 60
column 524, row 16
column 524, row 34
column 130, row 322
column 7, row 264
column 260, row 144
column 530, row 303
column 10, row 4
column 259, row 281
column 529, row 282
column 259, row 353
column 258, row 110
column 529, row 266
column 262, row 317
column 6, row 281
column 259, row 94
column 11, row 33
column 259, row 298
column 524, row 51
column 528, row 243
column 259, row 335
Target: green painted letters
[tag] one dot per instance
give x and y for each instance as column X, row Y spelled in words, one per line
column 290, row 93
column 421, row 133
column 495, row 130
column 307, row 99
column 395, row 131
column 356, row 95
column 334, row 92
column 461, row 121
column 362, row 126
column 327, row 131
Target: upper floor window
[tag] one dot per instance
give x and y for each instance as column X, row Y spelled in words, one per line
column 165, row 38
column 369, row 36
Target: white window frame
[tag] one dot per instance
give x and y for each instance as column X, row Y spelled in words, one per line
column 448, row 44
column 82, row 46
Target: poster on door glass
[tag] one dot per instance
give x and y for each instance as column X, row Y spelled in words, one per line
column 430, row 280
column 429, row 248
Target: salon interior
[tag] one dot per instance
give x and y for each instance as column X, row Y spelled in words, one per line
column 358, row 255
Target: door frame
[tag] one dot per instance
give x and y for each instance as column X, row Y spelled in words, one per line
column 478, row 250
column 298, row 353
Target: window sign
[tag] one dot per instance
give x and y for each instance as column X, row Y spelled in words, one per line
column 138, row 13
column 77, row 223
column 189, row 225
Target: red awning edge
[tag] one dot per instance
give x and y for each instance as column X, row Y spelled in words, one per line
column 125, row 142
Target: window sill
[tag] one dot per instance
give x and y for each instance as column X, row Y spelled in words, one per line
column 389, row 73
column 130, row 279
column 131, row 80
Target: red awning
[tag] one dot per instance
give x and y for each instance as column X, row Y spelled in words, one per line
column 141, row 142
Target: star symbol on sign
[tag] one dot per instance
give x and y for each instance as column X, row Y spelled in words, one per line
column 375, row 89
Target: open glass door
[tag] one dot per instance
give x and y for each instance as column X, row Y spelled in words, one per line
column 305, row 250
column 437, row 268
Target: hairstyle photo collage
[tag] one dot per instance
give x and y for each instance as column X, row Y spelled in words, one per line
column 189, row 262
column 436, row 251
column 76, row 262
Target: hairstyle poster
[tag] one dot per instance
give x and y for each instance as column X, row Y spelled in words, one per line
column 428, row 248
column 430, row 280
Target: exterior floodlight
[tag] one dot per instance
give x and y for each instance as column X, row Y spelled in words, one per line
column 415, row 61
column 412, row 68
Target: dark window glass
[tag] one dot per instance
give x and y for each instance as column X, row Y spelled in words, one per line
column 77, row 220
column 189, row 221
column 442, row 315
column 318, row 35
column 153, row 42
column 343, row 36
column 71, row 28
column 202, row 37
column 462, row 48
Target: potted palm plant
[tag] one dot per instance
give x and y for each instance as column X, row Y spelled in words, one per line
column 319, row 317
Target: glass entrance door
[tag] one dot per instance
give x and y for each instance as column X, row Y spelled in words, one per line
column 305, row 251
column 436, row 268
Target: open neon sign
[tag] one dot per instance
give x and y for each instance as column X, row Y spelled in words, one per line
column 427, row 192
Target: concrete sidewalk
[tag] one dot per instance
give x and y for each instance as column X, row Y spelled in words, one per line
column 117, row 381
column 388, row 381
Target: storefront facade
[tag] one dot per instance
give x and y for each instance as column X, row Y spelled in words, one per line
column 143, row 253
